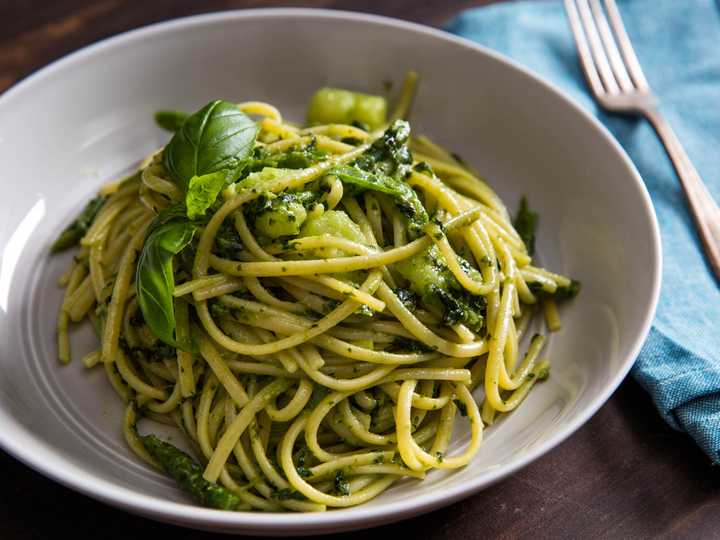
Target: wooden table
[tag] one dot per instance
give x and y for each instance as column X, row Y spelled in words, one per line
column 624, row 474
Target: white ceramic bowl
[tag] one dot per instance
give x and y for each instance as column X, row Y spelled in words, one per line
column 87, row 118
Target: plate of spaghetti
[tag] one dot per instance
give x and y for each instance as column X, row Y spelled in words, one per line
column 314, row 300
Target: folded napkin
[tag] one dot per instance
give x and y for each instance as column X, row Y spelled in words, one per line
column 678, row 44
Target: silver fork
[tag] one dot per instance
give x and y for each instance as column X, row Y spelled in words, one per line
column 618, row 84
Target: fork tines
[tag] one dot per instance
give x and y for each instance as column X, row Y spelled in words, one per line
column 607, row 56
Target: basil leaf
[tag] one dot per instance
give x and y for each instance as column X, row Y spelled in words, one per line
column 203, row 190
column 219, row 136
column 171, row 120
column 155, row 281
column 174, row 212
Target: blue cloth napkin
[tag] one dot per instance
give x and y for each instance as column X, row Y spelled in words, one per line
column 678, row 44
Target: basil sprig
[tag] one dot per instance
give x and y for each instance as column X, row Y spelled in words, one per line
column 219, row 137
column 155, row 280
column 208, row 152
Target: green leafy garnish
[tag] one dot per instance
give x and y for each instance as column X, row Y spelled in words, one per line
column 525, row 224
column 171, row 120
column 74, row 232
column 208, row 152
column 401, row 193
column 203, row 191
column 219, row 137
column 155, row 280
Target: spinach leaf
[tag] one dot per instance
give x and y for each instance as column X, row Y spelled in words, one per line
column 171, row 120
column 390, row 153
column 383, row 168
column 202, row 192
column 217, row 137
column 525, row 224
column 155, row 281
column 173, row 212
column 74, row 232
column 401, row 193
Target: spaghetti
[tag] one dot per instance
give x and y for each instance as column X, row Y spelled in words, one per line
column 314, row 314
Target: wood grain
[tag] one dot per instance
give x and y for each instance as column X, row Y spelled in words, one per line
column 625, row 474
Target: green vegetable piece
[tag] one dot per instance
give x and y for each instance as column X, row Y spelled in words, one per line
column 335, row 223
column 203, row 191
column 259, row 180
column 338, row 106
column 218, row 137
column 439, row 291
column 331, row 106
column 171, row 120
column 282, row 220
column 155, row 281
column 275, row 215
column 189, row 474
column 525, row 224
column 370, row 110
column 74, row 232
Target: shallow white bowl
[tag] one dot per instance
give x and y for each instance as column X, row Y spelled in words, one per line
column 88, row 118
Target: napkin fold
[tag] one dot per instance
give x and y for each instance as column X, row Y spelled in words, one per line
column 678, row 45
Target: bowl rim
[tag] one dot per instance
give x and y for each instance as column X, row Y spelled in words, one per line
column 35, row 453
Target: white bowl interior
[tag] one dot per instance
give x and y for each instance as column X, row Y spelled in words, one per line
column 89, row 118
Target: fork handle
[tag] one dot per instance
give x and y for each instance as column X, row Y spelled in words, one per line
column 703, row 208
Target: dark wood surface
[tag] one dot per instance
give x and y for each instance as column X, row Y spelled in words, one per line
column 625, row 474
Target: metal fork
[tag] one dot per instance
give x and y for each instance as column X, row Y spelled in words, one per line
column 618, row 84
